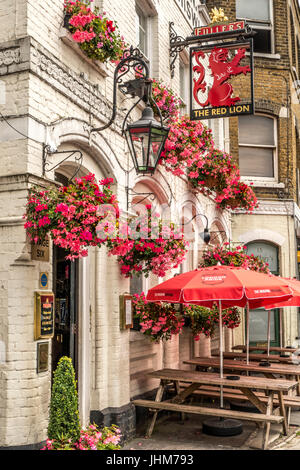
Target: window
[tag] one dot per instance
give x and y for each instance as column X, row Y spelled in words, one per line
column 257, row 146
column 258, row 319
column 183, row 82
column 259, row 14
column 142, row 32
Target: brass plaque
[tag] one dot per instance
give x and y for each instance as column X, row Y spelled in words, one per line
column 43, row 315
column 126, row 312
column 42, row 357
column 41, row 252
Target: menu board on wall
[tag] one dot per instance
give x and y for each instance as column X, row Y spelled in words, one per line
column 43, row 315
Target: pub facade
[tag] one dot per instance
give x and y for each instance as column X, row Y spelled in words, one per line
column 51, row 95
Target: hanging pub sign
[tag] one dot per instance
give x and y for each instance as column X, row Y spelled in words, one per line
column 222, row 73
column 43, row 315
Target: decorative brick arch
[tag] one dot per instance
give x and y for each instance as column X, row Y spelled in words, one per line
column 262, row 235
column 267, row 107
column 76, row 131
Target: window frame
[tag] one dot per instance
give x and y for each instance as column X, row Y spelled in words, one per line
column 139, row 12
column 184, row 64
column 273, row 178
column 265, row 25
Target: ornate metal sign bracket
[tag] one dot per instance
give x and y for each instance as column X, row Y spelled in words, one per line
column 177, row 45
column 77, row 154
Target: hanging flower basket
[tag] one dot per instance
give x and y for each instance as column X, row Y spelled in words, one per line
column 204, row 320
column 71, row 215
column 152, row 247
column 96, row 35
column 157, row 321
column 233, row 257
column 187, row 142
column 167, row 101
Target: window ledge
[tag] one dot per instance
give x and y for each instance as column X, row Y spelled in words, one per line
column 267, row 56
column 263, row 183
column 67, row 39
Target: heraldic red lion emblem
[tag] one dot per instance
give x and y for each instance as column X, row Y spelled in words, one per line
column 220, row 93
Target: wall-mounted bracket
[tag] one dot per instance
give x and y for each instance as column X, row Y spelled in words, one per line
column 67, row 155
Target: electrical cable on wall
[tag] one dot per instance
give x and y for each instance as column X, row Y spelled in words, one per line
column 19, row 132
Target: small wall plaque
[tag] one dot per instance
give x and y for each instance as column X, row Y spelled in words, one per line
column 126, row 311
column 44, row 280
column 41, row 252
column 42, row 357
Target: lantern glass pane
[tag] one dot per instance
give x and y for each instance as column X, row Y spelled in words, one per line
column 140, row 144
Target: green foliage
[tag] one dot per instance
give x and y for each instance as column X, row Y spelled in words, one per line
column 64, row 421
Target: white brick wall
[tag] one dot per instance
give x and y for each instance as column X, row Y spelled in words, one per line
column 59, row 99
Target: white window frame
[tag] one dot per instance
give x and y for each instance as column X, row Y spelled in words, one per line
column 184, row 64
column 264, row 179
column 148, row 53
column 260, row 24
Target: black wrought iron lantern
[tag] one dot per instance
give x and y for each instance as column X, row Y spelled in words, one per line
column 146, row 137
column 146, row 140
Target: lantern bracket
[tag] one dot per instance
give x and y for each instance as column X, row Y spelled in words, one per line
column 130, row 191
column 67, row 154
column 133, row 60
column 206, row 234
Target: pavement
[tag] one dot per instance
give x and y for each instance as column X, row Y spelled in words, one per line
column 172, row 434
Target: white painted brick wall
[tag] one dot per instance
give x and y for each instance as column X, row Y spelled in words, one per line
column 24, row 395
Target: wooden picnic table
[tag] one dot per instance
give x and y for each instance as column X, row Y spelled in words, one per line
column 255, row 357
column 243, row 348
column 246, row 385
column 290, row 371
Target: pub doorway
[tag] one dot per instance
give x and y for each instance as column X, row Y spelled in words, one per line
column 65, row 280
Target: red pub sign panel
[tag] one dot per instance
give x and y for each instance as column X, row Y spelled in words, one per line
column 219, row 28
column 221, row 80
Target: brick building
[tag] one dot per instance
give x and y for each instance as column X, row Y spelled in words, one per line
column 51, row 94
column 266, row 145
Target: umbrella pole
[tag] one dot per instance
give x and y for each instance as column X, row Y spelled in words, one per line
column 269, row 331
column 221, row 350
column 248, row 327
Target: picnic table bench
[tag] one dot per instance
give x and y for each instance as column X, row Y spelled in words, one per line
column 243, row 348
column 289, row 371
column 271, row 371
column 255, row 357
column 246, row 385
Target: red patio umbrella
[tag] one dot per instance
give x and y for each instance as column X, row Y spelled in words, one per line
column 225, row 285
column 294, row 301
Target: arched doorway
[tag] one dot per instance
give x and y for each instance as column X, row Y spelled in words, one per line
column 258, row 319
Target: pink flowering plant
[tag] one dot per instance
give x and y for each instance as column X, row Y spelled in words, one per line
column 204, row 320
column 96, row 35
column 224, row 255
column 70, row 214
column 92, row 438
column 158, row 321
column 190, row 151
column 240, row 196
column 167, row 101
column 151, row 247
column 187, row 142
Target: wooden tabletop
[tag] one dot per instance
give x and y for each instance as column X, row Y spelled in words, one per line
column 257, row 357
column 243, row 347
column 274, row 368
column 207, row 378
